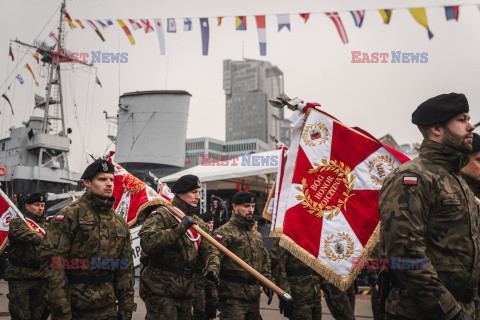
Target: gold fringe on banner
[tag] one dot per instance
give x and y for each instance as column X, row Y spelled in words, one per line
column 148, row 207
column 265, row 214
column 343, row 283
column 277, row 233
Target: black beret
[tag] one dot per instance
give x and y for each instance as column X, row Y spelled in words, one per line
column 243, row 197
column 207, row 216
column 186, row 183
column 475, row 143
column 97, row 166
column 439, row 109
column 35, row 197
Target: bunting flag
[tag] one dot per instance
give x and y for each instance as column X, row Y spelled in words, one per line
column 305, row 16
column 97, row 81
column 205, row 35
column 146, row 25
column 80, row 23
column 4, row 96
column 358, row 17
column 262, row 34
column 10, row 53
column 127, row 31
column 452, row 12
column 94, row 27
column 135, row 24
column 20, row 79
column 420, row 16
column 171, row 25
column 328, row 203
column 35, row 55
column 109, row 22
column 69, row 21
column 102, row 24
column 386, row 15
column 160, row 34
column 187, row 24
column 219, row 21
column 241, row 23
column 283, row 21
column 338, row 23
column 31, row 72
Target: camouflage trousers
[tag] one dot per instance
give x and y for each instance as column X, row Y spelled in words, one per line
column 26, row 299
column 233, row 309
column 166, row 308
column 199, row 301
column 311, row 310
column 375, row 300
column 341, row 304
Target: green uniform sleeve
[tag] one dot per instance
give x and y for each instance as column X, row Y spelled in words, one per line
column 278, row 258
column 124, row 279
column 20, row 232
column 207, row 251
column 56, row 246
column 266, row 266
column 403, row 213
column 155, row 237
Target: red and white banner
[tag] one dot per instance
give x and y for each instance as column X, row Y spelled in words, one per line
column 6, row 215
column 328, row 202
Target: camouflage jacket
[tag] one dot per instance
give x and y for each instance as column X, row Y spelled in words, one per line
column 24, row 254
column 238, row 236
column 429, row 214
column 302, row 288
column 473, row 184
column 164, row 240
column 87, row 233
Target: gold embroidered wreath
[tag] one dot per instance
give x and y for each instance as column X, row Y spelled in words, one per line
column 331, row 255
column 380, row 159
column 319, row 126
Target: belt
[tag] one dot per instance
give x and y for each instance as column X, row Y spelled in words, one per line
column 89, row 279
column 184, row 272
column 300, row 272
column 33, row 266
column 238, row 279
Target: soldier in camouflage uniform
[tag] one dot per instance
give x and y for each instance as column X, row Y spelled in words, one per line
column 372, row 276
column 172, row 252
column 87, row 255
column 26, row 297
column 239, row 292
column 429, row 215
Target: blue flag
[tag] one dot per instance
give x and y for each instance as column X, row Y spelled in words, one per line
column 205, row 35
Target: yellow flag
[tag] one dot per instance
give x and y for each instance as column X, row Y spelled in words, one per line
column 420, row 16
column 386, row 15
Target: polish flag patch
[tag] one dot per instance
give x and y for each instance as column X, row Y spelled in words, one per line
column 58, row 218
column 218, row 237
column 410, row 180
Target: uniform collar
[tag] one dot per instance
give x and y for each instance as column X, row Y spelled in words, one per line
column 98, row 205
column 185, row 207
column 445, row 156
column 34, row 217
column 241, row 222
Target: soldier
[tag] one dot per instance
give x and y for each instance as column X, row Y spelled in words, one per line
column 238, row 291
column 430, row 219
column 26, row 297
column 173, row 252
column 87, row 255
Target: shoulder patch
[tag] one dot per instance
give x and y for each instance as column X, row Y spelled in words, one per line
column 59, row 218
column 413, row 181
column 218, row 237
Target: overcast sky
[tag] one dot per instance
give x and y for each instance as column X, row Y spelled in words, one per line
column 317, row 66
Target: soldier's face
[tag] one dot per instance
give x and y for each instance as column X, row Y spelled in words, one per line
column 101, row 185
column 245, row 210
column 457, row 133
column 210, row 225
column 36, row 208
column 473, row 167
column 191, row 197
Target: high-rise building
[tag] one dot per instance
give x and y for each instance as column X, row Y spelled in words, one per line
column 248, row 85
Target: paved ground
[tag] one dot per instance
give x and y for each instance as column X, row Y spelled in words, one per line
column 269, row 312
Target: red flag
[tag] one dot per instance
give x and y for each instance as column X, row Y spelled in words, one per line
column 6, row 215
column 10, row 53
column 80, row 23
column 328, row 202
column 335, row 17
column 305, row 16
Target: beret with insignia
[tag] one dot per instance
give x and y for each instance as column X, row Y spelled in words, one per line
column 243, row 197
column 186, row 183
column 35, row 197
column 475, row 143
column 97, row 166
column 440, row 109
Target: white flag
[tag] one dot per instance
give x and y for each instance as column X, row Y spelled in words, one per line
column 172, row 27
column 160, row 34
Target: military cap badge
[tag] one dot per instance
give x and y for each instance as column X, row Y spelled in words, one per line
column 105, row 167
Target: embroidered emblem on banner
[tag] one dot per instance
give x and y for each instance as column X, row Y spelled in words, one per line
column 379, row 168
column 315, row 134
column 339, row 246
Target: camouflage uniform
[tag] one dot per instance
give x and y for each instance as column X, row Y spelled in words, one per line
column 88, row 229
column 204, row 292
column 430, row 216
column 165, row 245
column 374, row 294
column 239, row 292
column 341, row 303
column 25, row 284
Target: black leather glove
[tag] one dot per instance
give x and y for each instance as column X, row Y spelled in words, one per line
column 286, row 308
column 212, row 276
column 269, row 293
column 462, row 316
column 372, row 279
column 327, row 290
column 120, row 317
column 211, row 309
column 188, row 221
